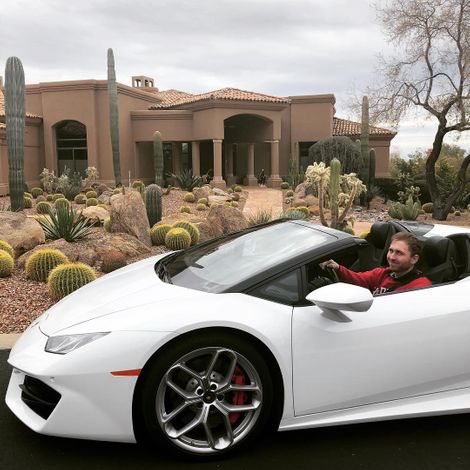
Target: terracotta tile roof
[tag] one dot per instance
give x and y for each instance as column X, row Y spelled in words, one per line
column 170, row 97
column 228, row 94
column 2, row 107
column 345, row 127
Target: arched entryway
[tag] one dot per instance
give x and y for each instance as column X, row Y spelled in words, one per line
column 247, row 148
column 71, row 145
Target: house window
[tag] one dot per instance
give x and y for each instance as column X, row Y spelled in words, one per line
column 72, row 152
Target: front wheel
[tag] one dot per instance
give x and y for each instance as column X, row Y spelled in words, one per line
column 207, row 395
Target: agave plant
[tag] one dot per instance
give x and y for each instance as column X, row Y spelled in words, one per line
column 67, row 223
column 186, row 180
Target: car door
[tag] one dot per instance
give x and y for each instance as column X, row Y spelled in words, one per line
column 407, row 344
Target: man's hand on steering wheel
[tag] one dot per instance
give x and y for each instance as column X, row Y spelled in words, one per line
column 330, row 267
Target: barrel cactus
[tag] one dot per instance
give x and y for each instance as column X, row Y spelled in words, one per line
column 27, row 202
column 43, row 207
column 153, row 203
column 158, row 233
column 80, row 199
column 14, row 94
column 6, row 264
column 201, row 207
column 139, row 186
column 295, row 213
column 235, row 204
column 202, row 200
column 40, row 198
column 186, row 209
column 91, row 194
column 68, row 277
column 106, row 224
column 190, row 228
column 36, row 192
column 158, row 158
column 50, row 198
column 5, row 246
column 92, row 201
column 57, row 196
column 189, row 197
column 284, row 185
column 61, row 202
column 42, row 262
column 428, row 207
column 178, row 239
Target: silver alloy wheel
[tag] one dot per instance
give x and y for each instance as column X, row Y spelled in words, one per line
column 197, row 401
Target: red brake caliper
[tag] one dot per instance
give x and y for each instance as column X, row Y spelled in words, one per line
column 239, row 398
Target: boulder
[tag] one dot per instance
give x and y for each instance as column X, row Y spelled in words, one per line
column 95, row 213
column 302, row 190
column 104, row 197
column 219, row 192
column 203, row 191
column 103, row 188
column 226, row 219
column 90, row 250
column 20, row 231
column 218, row 199
column 128, row 215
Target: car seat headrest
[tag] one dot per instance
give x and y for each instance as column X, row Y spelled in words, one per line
column 437, row 250
column 379, row 234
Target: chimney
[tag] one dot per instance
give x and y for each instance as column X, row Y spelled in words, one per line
column 144, row 83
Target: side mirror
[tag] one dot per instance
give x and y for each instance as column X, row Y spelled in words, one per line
column 340, row 296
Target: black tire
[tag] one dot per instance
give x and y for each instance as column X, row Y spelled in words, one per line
column 170, row 384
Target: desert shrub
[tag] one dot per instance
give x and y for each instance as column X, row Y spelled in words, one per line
column 5, row 246
column 189, row 197
column 28, row 202
column 261, row 216
column 113, row 260
column 284, row 185
column 427, row 208
column 92, row 201
column 201, row 207
column 178, row 239
column 36, row 192
column 91, row 194
column 186, row 209
column 42, row 262
column 339, row 147
column 294, row 213
column 68, row 277
column 190, row 228
column 6, row 264
column 158, row 233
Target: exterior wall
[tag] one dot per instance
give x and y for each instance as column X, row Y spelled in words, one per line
column 382, row 156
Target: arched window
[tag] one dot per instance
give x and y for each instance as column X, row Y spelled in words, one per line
column 72, row 146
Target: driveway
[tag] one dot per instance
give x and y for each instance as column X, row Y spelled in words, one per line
column 418, row 444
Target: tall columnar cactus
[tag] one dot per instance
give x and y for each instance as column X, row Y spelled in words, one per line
column 153, row 203
column 158, row 158
column 114, row 116
column 371, row 167
column 333, row 190
column 15, row 122
column 365, row 140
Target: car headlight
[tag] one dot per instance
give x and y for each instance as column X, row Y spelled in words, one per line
column 67, row 343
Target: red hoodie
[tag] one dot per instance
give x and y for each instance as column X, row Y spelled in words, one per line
column 381, row 280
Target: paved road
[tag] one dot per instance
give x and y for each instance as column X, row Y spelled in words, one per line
column 419, row 444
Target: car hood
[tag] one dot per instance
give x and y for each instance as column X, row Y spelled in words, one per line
column 134, row 285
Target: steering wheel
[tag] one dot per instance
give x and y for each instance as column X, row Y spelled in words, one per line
column 331, row 274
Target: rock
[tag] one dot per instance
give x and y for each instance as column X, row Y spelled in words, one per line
column 90, row 250
column 219, row 192
column 302, row 190
column 95, row 213
column 201, row 192
column 218, row 199
column 103, row 188
column 105, row 197
column 226, row 219
column 20, row 231
column 128, row 215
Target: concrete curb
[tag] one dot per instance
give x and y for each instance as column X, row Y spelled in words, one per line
column 7, row 341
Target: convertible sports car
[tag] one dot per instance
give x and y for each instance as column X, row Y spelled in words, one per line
column 201, row 350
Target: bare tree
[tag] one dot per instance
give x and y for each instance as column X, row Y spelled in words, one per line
column 431, row 72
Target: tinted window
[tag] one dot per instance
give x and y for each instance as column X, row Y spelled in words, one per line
column 216, row 266
column 284, row 289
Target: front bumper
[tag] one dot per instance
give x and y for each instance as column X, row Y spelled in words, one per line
column 83, row 399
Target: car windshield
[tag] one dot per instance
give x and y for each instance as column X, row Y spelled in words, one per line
column 226, row 262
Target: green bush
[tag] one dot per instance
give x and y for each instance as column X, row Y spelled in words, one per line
column 68, row 277
column 6, row 264
column 178, row 239
column 349, row 230
column 158, row 233
column 190, row 228
column 42, row 262
column 189, row 197
column 5, row 246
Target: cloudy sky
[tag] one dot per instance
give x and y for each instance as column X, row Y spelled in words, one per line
column 276, row 47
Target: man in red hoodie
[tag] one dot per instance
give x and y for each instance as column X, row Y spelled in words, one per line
column 400, row 275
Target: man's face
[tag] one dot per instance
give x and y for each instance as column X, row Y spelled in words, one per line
column 399, row 258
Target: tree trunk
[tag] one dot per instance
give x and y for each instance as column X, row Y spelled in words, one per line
column 438, row 211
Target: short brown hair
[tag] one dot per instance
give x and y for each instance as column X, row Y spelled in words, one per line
column 410, row 239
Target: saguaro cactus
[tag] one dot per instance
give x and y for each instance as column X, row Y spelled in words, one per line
column 113, row 116
column 15, row 122
column 158, row 158
column 365, row 140
column 153, row 203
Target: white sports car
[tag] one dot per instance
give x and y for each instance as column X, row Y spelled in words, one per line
column 199, row 351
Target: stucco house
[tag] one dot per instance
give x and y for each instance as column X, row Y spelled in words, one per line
column 235, row 133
